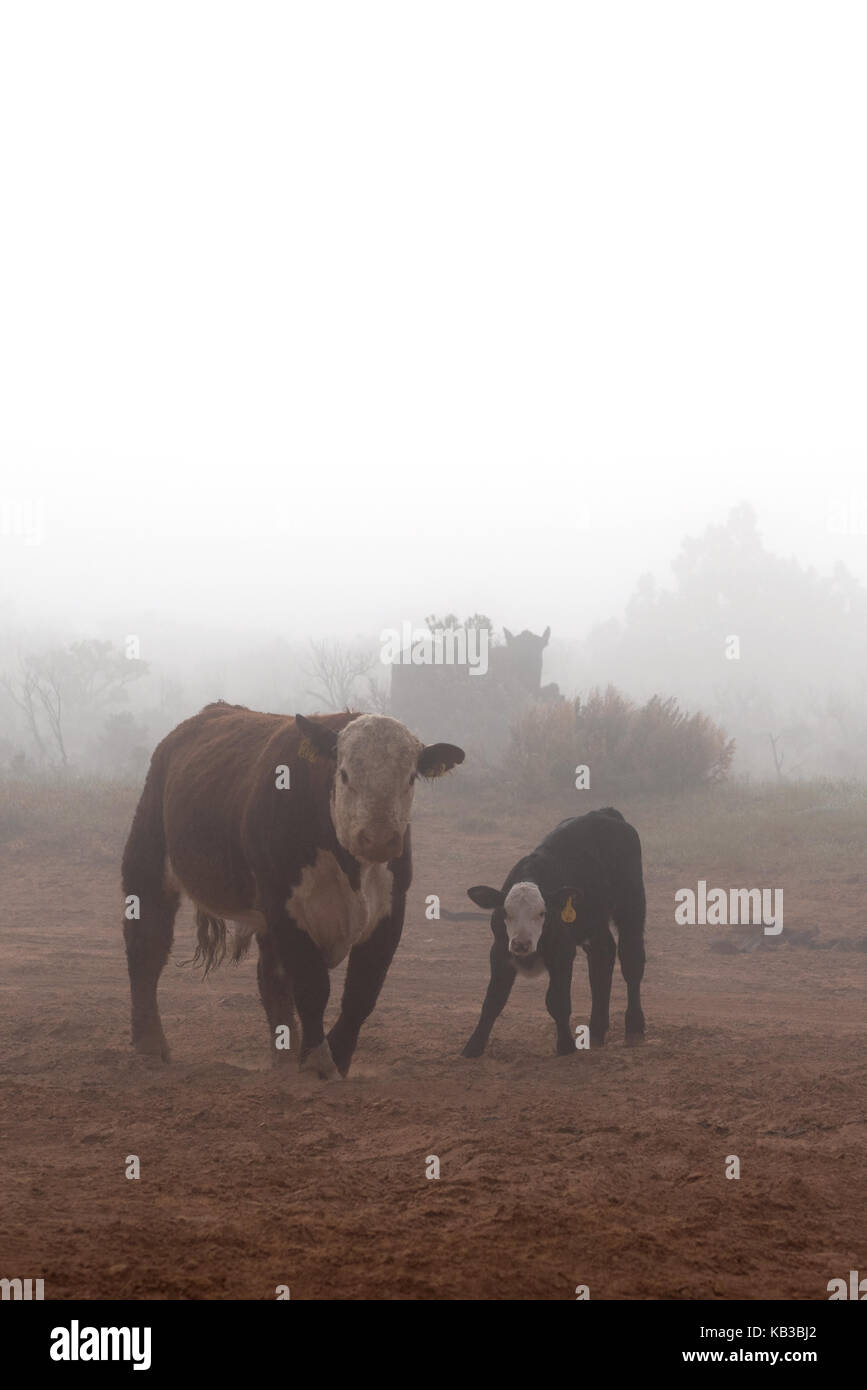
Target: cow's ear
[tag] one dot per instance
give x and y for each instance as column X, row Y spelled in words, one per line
column 322, row 739
column 488, row 898
column 438, row 758
column 507, row 634
column 545, row 635
column 564, row 902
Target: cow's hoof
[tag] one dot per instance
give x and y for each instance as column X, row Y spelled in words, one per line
column 634, row 1039
column 597, row 1039
column 341, row 1042
column 473, row 1049
column 153, row 1045
column 566, row 1049
column 320, row 1062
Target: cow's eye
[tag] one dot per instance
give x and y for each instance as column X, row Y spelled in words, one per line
column 343, row 777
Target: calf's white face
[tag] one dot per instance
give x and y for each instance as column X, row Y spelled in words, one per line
column 524, row 910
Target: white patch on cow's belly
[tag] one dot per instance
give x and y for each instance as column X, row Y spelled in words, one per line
column 334, row 915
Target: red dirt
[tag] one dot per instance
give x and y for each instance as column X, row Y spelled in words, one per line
column 605, row 1168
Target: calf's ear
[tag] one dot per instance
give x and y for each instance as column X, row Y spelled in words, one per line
column 564, row 902
column 438, row 758
column 322, row 739
column 488, row 898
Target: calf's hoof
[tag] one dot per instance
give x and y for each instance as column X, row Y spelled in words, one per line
column 319, row 1062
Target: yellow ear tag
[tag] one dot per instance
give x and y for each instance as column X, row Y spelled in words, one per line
column 307, row 751
column 568, row 914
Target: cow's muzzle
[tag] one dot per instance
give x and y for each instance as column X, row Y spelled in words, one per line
column 378, row 849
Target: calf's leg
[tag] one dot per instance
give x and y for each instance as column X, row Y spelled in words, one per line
column 629, row 915
column 630, row 949
column 499, row 989
column 558, row 1002
column 600, row 951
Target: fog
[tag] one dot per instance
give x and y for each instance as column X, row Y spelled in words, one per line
column 330, row 319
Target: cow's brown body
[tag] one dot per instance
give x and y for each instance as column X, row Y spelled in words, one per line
column 217, row 822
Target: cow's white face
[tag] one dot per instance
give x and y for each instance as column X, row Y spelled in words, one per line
column 377, row 766
column 524, row 910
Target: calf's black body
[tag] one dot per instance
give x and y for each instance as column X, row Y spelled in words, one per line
column 588, row 871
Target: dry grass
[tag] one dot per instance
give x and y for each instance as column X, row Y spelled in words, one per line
column 82, row 817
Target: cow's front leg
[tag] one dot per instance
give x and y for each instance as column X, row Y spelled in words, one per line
column 365, row 975
column 558, row 1002
column 600, row 951
column 306, row 970
column 499, row 989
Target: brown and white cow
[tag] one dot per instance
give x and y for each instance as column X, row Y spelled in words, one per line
column 297, row 832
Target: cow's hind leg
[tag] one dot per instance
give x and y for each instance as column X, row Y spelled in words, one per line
column 600, row 951
column 148, row 939
column 152, row 899
column 275, row 991
column 365, row 974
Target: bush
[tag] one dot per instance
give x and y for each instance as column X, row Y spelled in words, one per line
column 655, row 747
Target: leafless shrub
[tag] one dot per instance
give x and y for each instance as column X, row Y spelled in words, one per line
column 655, row 747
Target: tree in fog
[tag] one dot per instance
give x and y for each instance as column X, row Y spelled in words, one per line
column 64, row 694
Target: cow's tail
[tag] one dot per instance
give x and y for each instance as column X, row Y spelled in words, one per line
column 212, row 945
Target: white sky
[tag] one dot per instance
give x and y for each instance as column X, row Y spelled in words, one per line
column 327, row 315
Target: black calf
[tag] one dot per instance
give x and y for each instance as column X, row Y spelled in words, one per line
column 583, row 875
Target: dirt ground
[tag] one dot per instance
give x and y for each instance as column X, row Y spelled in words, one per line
column 604, row 1169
